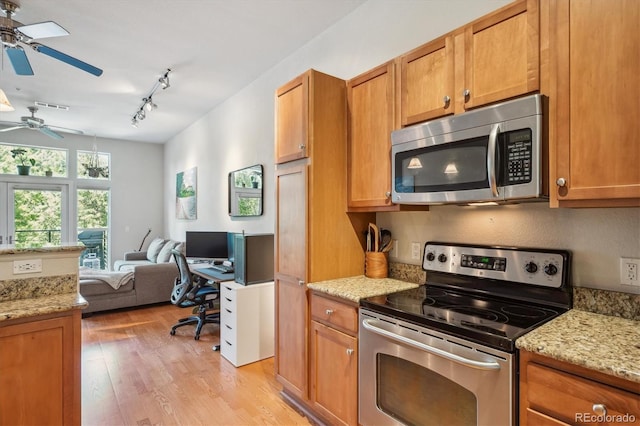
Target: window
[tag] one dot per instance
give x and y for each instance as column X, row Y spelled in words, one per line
column 45, row 160
column 93, row 165
column 93, row 227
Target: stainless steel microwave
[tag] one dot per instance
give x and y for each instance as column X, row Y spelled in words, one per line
column 492, row 154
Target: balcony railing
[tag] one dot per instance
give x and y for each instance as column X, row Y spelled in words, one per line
column 95, row 239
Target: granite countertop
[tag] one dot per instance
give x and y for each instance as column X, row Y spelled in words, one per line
column 12, row 249
column 24, row 308
column 603, row 343
column 360, row 287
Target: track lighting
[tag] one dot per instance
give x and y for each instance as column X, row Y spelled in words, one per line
column 147, row 102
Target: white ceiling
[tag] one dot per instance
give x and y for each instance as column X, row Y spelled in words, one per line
column 214, row 48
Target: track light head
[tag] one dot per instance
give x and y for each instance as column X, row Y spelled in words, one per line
column 147, row 103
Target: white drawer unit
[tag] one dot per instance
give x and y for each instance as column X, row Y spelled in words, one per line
column 246, row 322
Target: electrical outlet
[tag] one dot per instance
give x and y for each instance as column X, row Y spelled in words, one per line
column 629, row 269
column 394, row 249
column 27, row 266
column 415, row 251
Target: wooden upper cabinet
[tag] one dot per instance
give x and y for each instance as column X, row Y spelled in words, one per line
column 372, row 117
column 427, row 81
column 501, row 55
column 593, row 100
column 292, row 110
column 491, row 59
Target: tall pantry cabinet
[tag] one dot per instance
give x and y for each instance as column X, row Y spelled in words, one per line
column 315, row 239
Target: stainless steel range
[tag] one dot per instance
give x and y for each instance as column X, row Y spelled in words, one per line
column 444, row 354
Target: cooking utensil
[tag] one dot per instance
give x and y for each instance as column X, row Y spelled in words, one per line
column 375, row 237
column 385, row 239
column 388, row 247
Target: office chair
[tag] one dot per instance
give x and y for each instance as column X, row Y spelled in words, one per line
column 190, row 291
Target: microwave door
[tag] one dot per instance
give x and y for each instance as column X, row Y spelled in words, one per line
column 449, row 172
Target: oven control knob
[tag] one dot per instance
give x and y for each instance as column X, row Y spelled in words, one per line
column 442, row 258
column 531, row 267
column 551, row 269
column 430, row 256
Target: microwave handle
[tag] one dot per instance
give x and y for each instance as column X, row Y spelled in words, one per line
column 491, row 159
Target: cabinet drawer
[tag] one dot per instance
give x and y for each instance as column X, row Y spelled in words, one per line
column 334, row 313
column 572, row 399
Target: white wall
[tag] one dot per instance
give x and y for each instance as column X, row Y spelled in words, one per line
column 240, row 133
column 136, row 183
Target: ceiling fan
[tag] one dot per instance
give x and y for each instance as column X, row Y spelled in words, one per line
column 35, row 123
column 12, row 33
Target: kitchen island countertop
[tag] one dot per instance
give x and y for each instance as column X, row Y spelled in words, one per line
column 360, row 287
column 23, row 308
column 603, row 343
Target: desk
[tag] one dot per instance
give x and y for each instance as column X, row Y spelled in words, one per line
column 204, row 270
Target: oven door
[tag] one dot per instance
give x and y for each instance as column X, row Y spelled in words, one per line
column 410, row 375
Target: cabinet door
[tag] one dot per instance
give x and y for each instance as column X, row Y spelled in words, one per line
column 39, row 377
column 501, row 55
column 291, row 222
column 334, row 374
column 290, row 277
column 594, row 103
column 291, row 335
column 371, row 120
column 292, row 120
column 427, row 81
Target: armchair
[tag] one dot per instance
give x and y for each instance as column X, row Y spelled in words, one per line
column 190, row 291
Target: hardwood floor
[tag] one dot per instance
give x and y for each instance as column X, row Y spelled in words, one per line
column 135, row 373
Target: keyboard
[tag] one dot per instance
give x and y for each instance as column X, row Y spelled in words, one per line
column 222, row 269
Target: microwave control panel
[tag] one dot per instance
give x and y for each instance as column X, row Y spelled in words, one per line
column 518, row 150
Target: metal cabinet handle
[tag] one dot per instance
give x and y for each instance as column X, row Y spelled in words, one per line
column 446, row 99
column 349, row 351
column 300, row 282
column 561, row 182
column 301, row 146
column 599, row 409
column 328, row 312
column 387, row 194
column 466, row 93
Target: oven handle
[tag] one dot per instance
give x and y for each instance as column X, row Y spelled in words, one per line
column 481, row 365
column 491, row 159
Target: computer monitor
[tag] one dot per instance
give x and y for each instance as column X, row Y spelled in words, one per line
column 206, row 245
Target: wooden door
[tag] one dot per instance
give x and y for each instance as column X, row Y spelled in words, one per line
column 292, row 120
column 334, row 374
column 427, row 81
column 371, row 98
column 290, row 278
column 594, row 126
column 40, row 372
column 501, row 55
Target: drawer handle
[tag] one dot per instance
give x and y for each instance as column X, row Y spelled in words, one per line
column 328, row 312
column 228, row 343
column 228, row 300
column 227, row 325
column 228, row 311
column 349, row 351
column 599, row 409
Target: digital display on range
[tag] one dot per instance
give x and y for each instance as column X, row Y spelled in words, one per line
column 484, row 262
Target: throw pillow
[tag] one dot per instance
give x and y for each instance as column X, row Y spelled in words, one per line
column 165, row 254
column 154, row 249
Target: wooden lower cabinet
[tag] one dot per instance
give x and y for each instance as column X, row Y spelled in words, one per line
column 556, row 393
column 40, row 370
column 333, row 366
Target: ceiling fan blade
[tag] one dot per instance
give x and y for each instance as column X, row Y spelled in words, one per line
column 19, row 60
column 66, row 130
column 8, row 129
column 43, row 30
column 67, row 59
column 47, row 131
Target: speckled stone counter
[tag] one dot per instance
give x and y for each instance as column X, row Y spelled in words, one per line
column 603, row 343
column 360, row 287
column 54, row 289
column 24, row 308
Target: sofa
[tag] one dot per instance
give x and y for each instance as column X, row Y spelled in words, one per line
column 141, row 278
